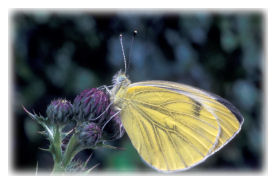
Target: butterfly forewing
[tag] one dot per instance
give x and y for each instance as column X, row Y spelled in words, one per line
column 229, row 118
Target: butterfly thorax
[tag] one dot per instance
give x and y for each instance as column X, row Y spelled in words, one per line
column 120, row 84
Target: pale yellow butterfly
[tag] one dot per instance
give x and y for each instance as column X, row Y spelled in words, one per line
column 173, row 126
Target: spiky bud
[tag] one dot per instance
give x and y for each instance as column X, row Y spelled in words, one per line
column 94, row 105
column 89, row 133
column 90, row 104
column 60, row 111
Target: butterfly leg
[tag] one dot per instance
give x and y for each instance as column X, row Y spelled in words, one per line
column 110, row 119
column 106, row 88
column 108, row 107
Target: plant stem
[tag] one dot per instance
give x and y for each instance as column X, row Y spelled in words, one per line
column 57, row 168
column 72, row 149
column 55, row 149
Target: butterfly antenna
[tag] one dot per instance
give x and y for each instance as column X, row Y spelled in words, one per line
column 123, row 51
column 132, row 40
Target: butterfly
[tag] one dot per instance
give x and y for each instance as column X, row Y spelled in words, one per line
column 173, row 126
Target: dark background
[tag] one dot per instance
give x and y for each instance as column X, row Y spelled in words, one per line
column 59, row 54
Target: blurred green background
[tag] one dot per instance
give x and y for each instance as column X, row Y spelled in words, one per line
column 59, row 54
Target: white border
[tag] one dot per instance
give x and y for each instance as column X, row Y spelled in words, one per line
column 236, row 4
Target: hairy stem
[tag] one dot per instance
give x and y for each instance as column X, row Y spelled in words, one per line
column 55, row 149
column 72, row 149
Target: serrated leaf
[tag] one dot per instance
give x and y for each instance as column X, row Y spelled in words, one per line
column 30, row 114
column 42, row 121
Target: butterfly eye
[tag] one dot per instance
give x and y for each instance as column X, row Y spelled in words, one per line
column 121, row 79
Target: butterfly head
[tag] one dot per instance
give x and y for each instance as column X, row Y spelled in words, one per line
column 120, row 79
column 120, row 84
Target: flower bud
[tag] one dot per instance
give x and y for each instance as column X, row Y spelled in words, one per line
column 89, row 133
column 60, row 111
column 94, row 105
column 90, row 104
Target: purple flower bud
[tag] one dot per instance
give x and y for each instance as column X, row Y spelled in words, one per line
column 90, row 104
column 89, row 133
column 60, row 111
column 94, row 105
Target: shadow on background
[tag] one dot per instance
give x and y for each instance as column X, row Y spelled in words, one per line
column 60, row 54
